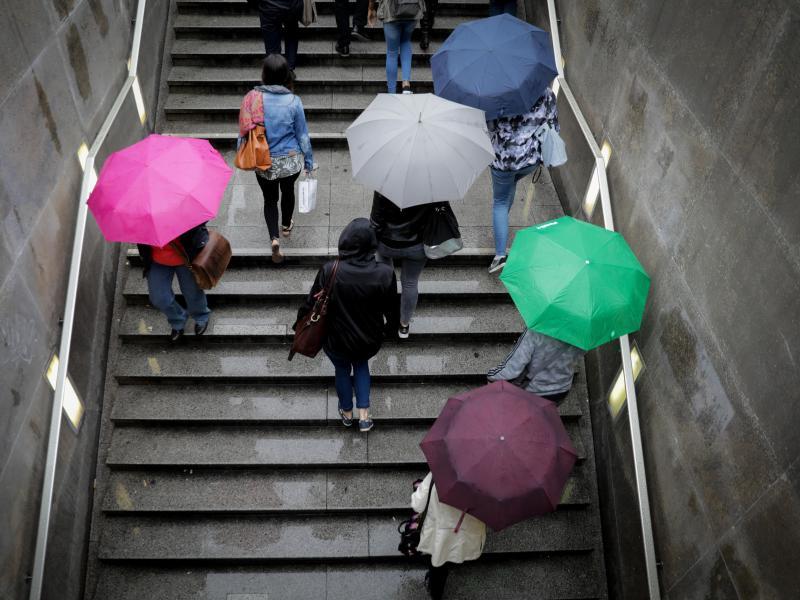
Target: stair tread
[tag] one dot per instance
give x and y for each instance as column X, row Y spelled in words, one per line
column 314, row 537
column 293, row 403
column 296, row 281
column 250, row 22
column 250, row 76
column 312, row 101
column 304, row 490
column 255, row 47
column 277, row 320
column 276, row 446
column 571, row 577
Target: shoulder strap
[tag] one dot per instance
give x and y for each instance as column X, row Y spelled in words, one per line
column 181, row 250
column 329, row 283
column 424, row 512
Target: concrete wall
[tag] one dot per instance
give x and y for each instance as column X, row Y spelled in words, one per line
column 700, row 102
column 62, row 63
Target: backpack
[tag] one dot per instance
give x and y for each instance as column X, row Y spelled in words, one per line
column 410, row 530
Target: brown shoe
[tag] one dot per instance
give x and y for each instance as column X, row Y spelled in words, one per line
column 277, row 257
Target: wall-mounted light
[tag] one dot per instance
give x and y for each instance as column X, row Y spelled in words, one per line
column 83, row 154
column 619, row 395
column 593, row 189
column 139, row 99
column 72, row 405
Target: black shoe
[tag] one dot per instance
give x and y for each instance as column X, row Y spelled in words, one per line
column 425, row 40
column 175, row 335
column 200, row 329
column 360, row 33
column 343, row 50
column 402, row 331
column 498, row 262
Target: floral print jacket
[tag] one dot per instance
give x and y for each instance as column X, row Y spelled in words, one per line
column 514, row 138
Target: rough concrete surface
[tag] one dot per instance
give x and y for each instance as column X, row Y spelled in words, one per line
column 699, row 103
column 62, row 63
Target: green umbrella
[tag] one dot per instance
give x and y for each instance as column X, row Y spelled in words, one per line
column 576, row 282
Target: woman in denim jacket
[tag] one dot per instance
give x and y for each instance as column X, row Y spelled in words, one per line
column 289, row 147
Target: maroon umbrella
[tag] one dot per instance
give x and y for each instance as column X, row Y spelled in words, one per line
column 500, row 454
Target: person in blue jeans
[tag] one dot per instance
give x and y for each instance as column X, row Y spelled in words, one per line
column 517, row 153
column 498, row 7
column 285, row 123
column 161, row 265
column 399, row 18
column 363, row 309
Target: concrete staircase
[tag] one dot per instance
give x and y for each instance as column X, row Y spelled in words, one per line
column 224, row 473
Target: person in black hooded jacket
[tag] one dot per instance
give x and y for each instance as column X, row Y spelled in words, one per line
column 363, row 308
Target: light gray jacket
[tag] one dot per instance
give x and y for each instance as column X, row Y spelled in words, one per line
column 547, row 363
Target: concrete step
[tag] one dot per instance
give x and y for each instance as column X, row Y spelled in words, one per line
column 499, row 577
column 272, row 321
column 293, row 282
column 403, row 361
column 284, row 446
column 335, row 104
column 475, row 8
column 309, row 79
column 303, row 491
column 298, row 404
column 314, row 537
column 249, row 52
column 215, row 26
column 323, row 131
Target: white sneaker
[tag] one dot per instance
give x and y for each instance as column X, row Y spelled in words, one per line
column 498, row 262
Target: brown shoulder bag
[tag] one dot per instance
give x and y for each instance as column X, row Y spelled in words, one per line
column 310, row 331
column 210, row 263
column 253, row 154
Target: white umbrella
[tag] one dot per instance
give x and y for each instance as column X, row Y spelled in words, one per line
column 418, row 148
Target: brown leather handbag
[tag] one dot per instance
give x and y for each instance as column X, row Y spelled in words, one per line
column 210, row 263
column 310, row 331
column 253, row 154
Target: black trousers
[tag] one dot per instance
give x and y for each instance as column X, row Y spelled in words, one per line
column 342, row 9
column 437, row 578
column 272, row 190
column 276, row 23
column 429, row 15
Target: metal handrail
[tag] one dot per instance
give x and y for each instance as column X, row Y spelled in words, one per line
column 624, row 342
column 87, row 184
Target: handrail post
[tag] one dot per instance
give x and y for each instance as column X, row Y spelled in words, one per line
column 46, row 503
column 624, row 343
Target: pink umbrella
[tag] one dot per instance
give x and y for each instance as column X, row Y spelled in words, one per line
column 156, row 189
column 500, row 454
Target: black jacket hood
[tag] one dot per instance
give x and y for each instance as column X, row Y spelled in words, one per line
column 357, row 240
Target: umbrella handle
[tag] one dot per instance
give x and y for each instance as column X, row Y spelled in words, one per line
column 460, row 521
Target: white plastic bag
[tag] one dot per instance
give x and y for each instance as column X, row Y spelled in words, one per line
column 307, row 192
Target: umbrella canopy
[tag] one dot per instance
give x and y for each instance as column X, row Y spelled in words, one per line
column 156, row 189
column 417, row 148
column 501, row 65
column 576, row 282
column 499, row 453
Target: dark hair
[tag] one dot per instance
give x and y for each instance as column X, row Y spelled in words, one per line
column 276, row 71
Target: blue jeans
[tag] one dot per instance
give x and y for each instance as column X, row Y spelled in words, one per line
column 398, row 41
column 159, row 283
column 498, row 7
column 351, row 376
column 504, row 186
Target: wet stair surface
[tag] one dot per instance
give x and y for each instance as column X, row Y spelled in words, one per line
column 224, row 473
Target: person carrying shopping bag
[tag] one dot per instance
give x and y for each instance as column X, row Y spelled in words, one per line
column 518, row 152
column 448, row 535
column 274, row 106
column 400, row 236
column 362, row 309
column 399, row 18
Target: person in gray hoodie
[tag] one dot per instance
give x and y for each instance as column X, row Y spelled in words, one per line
column 540, row 364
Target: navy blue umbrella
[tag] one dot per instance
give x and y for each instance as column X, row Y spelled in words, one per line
column 501, row 65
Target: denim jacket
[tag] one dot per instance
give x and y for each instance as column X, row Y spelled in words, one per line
column 285, row 123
